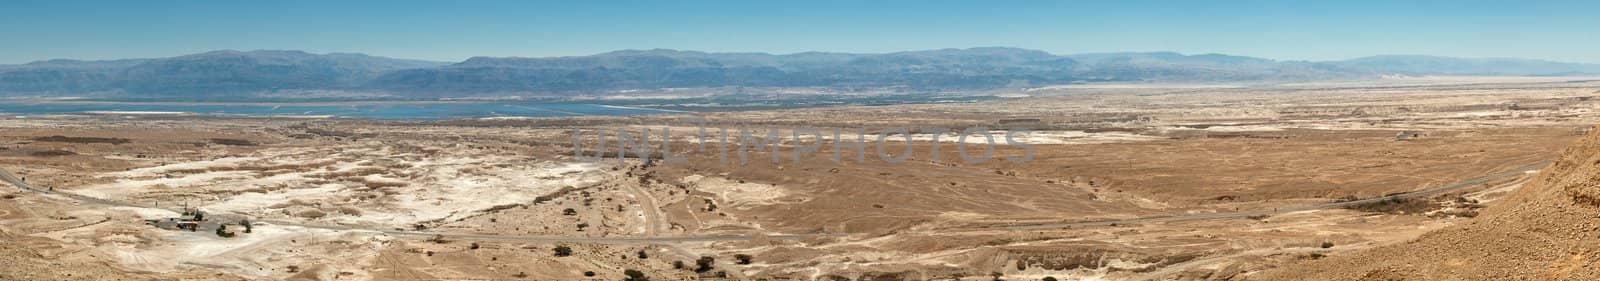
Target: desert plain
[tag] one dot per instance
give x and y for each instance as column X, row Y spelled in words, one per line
column 1125, row 182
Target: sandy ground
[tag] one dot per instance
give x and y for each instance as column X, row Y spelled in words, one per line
column 1100, row 153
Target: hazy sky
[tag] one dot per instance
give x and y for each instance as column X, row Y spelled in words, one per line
column 455, row 30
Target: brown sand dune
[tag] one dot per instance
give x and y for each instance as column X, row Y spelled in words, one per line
column 1548, row 230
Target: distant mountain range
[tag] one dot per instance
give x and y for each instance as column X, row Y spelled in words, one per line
column 236, row 73
column 211, row 73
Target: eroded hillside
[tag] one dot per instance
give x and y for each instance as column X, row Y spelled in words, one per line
column 1546, row 231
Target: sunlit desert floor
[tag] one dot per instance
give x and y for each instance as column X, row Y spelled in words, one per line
column 505, row 199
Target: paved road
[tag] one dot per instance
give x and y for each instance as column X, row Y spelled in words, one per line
column 223, row 217
column 1429, row 192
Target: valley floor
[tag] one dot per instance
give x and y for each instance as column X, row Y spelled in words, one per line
column 1124, row 183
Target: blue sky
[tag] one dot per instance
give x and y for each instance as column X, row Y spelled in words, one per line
column 454, row 30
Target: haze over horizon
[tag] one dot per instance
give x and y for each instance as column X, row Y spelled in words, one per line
column 783, row 54
column 94, row 30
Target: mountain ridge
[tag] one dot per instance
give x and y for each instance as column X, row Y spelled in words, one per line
column 232, row 72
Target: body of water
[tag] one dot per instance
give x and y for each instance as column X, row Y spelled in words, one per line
column 415, row 111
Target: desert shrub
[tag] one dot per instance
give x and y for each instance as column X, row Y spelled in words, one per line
column 1392, row 205
column 438, row 239
column 222, row 230
column 742, row 258
column 569, row 212
column 1326, row 244
column 562, row 251
column 704, row 264
column 635, row 275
